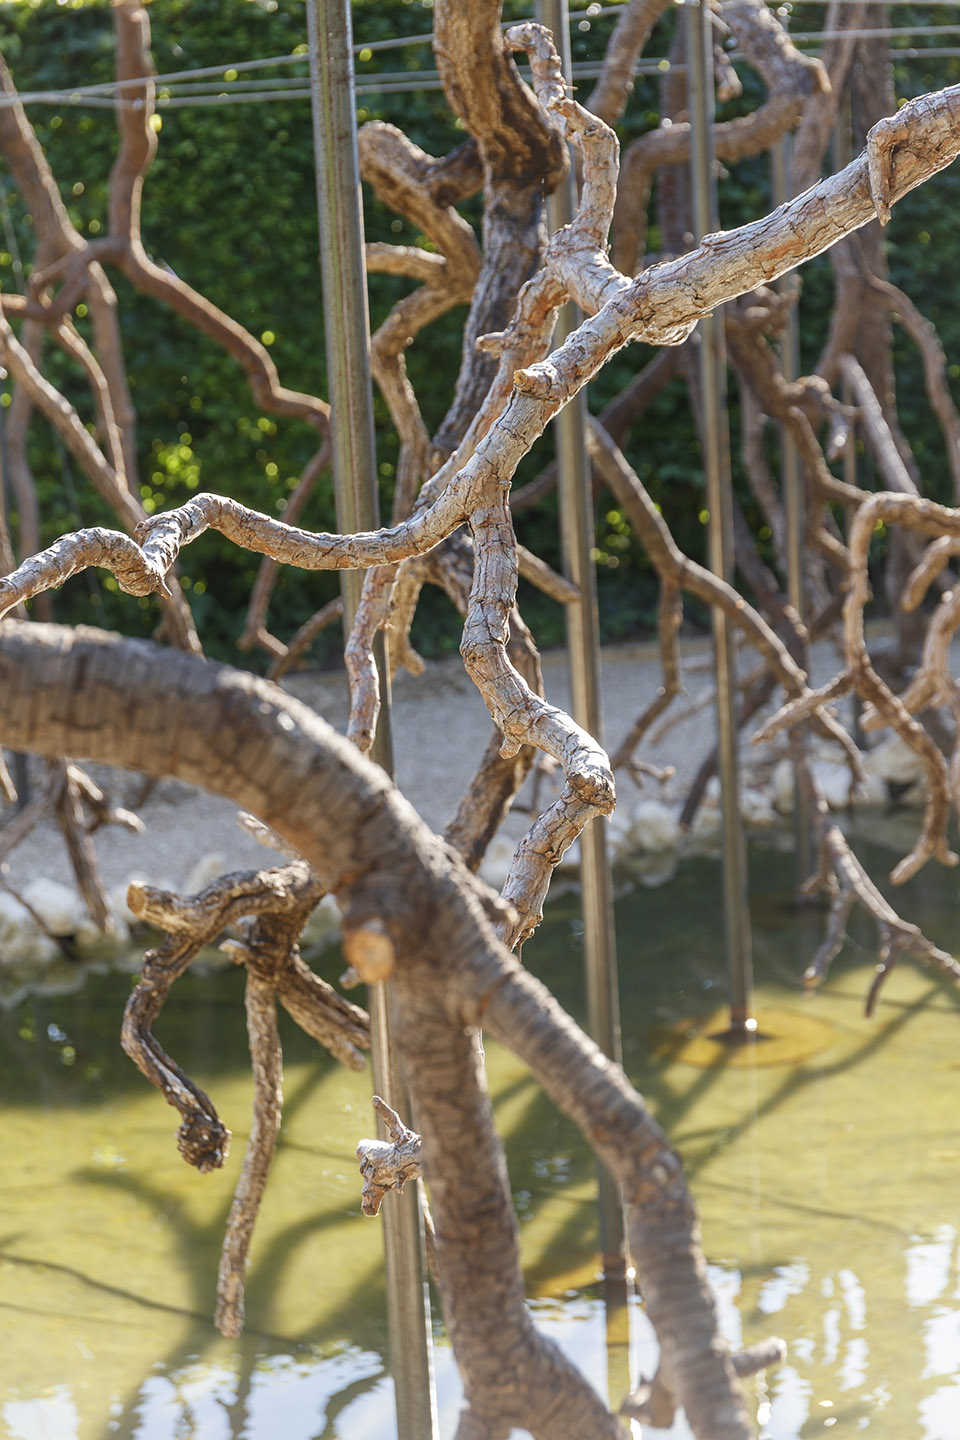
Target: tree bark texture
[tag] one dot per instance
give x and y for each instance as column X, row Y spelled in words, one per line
column 168, row 714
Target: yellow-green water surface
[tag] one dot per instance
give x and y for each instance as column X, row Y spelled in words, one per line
column 829, row 1188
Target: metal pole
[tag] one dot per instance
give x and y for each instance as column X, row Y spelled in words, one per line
column 355, row 481
column 21, row 774
column 716, row 456
column 792, row 483
column 842, row 151
column 583, row 651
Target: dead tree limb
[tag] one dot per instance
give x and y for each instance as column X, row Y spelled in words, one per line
column 268, row 909
column 791, row 79
column 246, row 739
column 919, row 140
column 927, row 518
column 844, row 879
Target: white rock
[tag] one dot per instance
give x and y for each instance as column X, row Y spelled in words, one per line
column 618, row 831
column 21, row 939
column 654, row 828
column 870, row 794
column 44, row 951
column 91, row 941
column 782, row 788
column 756, row 808
column 834, row 780
column 893, row 762
column 323, row 926
column 497, row 861
column 117, row 900
column 59, row 906
column 204, row 872
column 706, row 824
column 652, row 871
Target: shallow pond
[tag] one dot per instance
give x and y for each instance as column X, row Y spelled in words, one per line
column 827, row 1174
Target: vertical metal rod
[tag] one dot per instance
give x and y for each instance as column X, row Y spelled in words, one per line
column 21, row 774
column 792, row 485
column 790, row 363
column 716, row 456
column 7, row 559
column 347, row 334
column 583, row 651
column 842, row 151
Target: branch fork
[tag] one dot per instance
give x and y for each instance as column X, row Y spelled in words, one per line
column 388, row 1165
column 267, row 909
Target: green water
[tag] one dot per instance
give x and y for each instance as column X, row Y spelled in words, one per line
column 829, row 1190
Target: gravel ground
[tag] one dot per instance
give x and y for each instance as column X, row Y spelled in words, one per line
column 440, row 729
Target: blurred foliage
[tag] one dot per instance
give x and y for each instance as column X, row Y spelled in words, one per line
column 229, row 205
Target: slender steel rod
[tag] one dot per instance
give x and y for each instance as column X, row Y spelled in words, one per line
column 583, row 651
column 347, row 335
column 842, row 147
column 20, row 772
column 716, row 458
column 794, row 507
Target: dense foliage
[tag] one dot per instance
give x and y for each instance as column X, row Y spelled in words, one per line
column 230, row 205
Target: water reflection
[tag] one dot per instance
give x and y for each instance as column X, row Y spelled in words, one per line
column 54, row 1414
column 827, row 1186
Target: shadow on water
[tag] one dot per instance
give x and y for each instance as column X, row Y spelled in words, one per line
column 826, row 1184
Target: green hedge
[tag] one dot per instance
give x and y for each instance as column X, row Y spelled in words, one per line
column 230, row 206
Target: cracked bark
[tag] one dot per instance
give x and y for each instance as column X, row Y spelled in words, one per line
column 388, row 890
column 168, row 713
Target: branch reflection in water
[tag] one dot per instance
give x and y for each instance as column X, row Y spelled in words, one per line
column 826, row 1183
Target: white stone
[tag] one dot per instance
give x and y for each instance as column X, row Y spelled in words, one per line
column 893, row 762
column 870, row 794
column 91, row 941
column 834, row 780
column 21, row 939
column 497, row 861
column 707, row 822
column 651, row 871
column 756, row 808
column 117, row 900
column 654, row 828
column 323, row 926
column 618, row 831
column 782, row 788
column 59, row 907
column 207, row 869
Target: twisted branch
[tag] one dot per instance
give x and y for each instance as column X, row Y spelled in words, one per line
column 268, row 909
